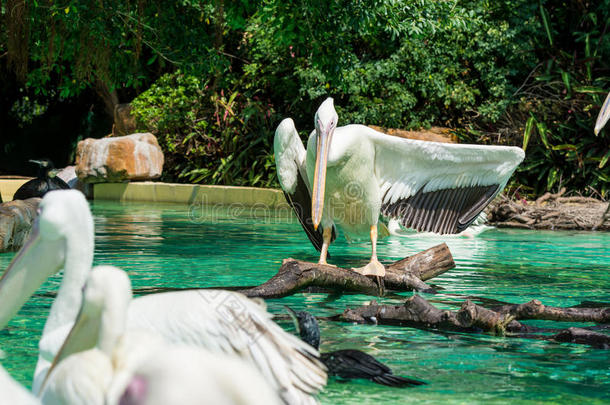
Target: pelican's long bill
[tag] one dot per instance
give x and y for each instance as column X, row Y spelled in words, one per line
column 29, row 269
column 319, row 180
column 295, row 319
column 83, row 336
column 604, row 115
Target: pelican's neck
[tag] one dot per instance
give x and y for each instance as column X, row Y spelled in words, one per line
column 112, row 326
column 79, row 259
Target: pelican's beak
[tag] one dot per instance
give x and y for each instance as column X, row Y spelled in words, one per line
column 604, row 115
column 33, row 264
column 319, row 178
column 294, row 317
column 83, row 336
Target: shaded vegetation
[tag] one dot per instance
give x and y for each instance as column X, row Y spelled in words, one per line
column 212, row 79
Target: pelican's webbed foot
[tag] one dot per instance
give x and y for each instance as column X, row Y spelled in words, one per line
column 374, row 268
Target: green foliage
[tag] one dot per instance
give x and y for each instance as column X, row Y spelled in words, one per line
column 509, row 71
column 554, row 109
column 213, row 137
column 392, row 63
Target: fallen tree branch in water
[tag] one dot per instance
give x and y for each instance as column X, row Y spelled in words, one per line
column 404, row 275
column 583, row 336
column 419, row 313
column 536, row 310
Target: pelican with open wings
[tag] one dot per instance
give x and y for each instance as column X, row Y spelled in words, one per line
column 350, row 175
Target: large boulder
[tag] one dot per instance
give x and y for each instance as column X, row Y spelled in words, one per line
column 115, row 159
column 16, row 219
column 68, row 174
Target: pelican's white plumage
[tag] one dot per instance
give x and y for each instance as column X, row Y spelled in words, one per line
column 63, row 238
column 355, row 174
column 187, row 376
column 99, row 358
column 80, row 379
column 603, row 116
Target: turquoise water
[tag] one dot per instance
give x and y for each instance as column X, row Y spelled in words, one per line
column 174, row 247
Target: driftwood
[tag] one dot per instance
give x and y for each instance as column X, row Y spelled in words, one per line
column 551, row 211
column 404, row 275
column 16, row 219
column 419, row 313
column 536, row 310
column 504, row 321
column 583, row 336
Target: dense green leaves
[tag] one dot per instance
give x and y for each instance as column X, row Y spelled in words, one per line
column 221, row 74
column 208, row 137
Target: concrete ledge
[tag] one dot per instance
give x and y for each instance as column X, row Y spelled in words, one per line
column 189, row 194
column 9, row 186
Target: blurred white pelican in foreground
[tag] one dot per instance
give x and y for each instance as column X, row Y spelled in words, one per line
column 351, row 175
column 219, row 321
column 101, row 363
column 603, row 116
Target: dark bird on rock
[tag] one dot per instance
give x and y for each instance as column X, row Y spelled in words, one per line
column 42, row 184
column 347, row 364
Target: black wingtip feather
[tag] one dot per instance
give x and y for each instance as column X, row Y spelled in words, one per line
column 396, row 381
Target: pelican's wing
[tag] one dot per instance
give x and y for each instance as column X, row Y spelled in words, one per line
column 439, row 187
column 604, row 115
column 229, row 323
column 290, row 157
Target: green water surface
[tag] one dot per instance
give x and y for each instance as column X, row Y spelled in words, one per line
column 180, row 247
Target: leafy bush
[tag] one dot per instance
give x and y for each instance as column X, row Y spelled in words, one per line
column 396, row 64
column 552, row 112
column 213, row 137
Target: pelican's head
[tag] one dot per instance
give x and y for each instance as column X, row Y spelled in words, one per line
column 325, row 122
column 106, row 297
column 61, row 237
column 44, row 166
column 307, row 326
column 102, row 316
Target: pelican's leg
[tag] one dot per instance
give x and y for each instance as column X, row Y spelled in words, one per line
column 374, row 268
column 327, row 233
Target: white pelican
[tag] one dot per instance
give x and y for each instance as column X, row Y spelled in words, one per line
column 351, row 175
column 186, row 376
column 99, row 361
column 11, row 392
column 219, row 321
column 603, row 116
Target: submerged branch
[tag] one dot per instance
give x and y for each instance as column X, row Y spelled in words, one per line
column 419, row 313
column 536, row 310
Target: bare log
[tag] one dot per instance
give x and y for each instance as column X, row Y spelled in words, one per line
column 536, row 310
column 583, row 336
column 404, row 275
column 419, row 313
